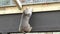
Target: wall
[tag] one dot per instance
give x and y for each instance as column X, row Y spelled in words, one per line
column 36, row 8
column 40, row 33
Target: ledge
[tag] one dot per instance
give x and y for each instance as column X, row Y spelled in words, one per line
column 36, row 8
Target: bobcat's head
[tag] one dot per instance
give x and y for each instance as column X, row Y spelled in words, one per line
column 28, row 11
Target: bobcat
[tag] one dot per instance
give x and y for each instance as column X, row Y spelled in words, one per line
column 25, row 26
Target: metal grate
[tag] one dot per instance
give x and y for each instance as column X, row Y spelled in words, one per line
column 39, row 1
column 11, row 2
column 6, row 3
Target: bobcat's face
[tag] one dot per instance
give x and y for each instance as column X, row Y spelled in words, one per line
column 28, row 11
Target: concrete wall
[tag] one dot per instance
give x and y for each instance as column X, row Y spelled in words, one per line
column 36, row 8
column 40, row 33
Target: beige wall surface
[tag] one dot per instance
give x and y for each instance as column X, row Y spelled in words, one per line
column 36, row 8
column 39, row 33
